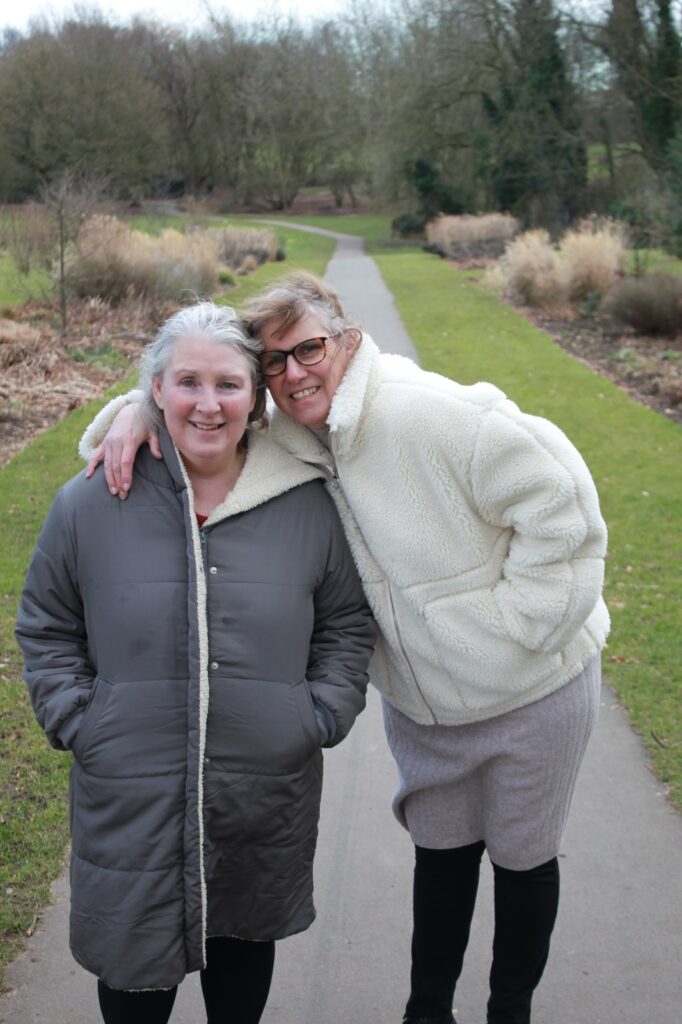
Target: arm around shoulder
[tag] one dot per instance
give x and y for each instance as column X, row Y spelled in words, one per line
column 114, row 436
column 96, row 431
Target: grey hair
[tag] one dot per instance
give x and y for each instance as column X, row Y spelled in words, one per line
column 219, row 324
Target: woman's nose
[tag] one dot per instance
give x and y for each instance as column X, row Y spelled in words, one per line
column 294, row 371
column 208, row 400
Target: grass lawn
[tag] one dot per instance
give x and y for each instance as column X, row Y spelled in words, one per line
column 597, row 159
column 303, row 251
column 374, row 228
column 16, row 287
column 33, row 777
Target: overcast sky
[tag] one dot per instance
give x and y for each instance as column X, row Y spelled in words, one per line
column 183, row 12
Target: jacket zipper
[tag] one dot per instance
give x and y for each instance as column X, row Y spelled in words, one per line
column 202, row 760
column 403, row 652
column 336, row 482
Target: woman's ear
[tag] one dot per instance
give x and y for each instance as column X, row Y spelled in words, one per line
column 355, row 336
column 156, row 392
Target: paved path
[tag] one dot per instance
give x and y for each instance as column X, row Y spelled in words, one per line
column 617, row 948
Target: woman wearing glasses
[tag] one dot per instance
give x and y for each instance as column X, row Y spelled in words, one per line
column 195, row 648
column 477, row 533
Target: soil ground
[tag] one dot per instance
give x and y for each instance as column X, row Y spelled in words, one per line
column 648, row 368
column 44, row 374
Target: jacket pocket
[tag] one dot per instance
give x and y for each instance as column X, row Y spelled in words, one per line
column 139, row 728
column 489, row 668
column 101, row 690
column 261, row 726
column 308, row 713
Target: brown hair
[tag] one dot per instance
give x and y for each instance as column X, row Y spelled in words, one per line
column 294, row 296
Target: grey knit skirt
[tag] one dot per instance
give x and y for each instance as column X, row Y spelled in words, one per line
column 507, row 780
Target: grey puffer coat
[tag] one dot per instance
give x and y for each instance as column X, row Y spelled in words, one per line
column 182, row 668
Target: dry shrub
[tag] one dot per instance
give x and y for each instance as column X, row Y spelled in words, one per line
column 236, row 244
column 24, row 354
column 11, row 331
column 495, row 278
column 18, row 342
column 533, row 271
column 28, row 234
column 183, row 263
column 115, row 263
column 592, row 257
column 193, row 206
column 651, row 304
column 468, row 237
column 248, row 265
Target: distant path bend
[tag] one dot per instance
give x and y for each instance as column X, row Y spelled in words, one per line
column 355, row 277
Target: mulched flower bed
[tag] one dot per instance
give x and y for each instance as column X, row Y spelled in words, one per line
column 44, row 374
column 649, row 369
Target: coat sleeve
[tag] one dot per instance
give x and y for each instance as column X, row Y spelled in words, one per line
column 51, row 633
column 527, row 477
column 96, row 431
column 343, row 638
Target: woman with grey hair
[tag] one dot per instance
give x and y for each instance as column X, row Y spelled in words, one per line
column 194, row 648
column 480, row 544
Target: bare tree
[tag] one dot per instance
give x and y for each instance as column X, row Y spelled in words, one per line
column 69, row 199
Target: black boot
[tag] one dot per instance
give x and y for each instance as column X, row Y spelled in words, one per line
column 445, row 884
column 525, row 910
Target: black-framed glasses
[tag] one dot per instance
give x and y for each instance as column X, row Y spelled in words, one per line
column 307, row 353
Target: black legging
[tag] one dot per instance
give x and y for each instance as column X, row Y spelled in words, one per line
column 235, row 984
column 445, row 887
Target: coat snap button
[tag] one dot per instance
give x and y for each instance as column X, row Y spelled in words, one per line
column 213, row 570
column 214, row 665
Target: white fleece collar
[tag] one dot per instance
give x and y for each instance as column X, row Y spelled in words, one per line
column 268, row 472
column 345, row 414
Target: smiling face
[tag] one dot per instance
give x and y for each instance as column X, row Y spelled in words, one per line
column 206, row 394
column 305, row 392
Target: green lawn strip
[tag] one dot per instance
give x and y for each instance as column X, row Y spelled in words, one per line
column 33, row 777
column 634, row 454
column 155, row 223
column 374, row 228
column 303, row 252
column 16, row 287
